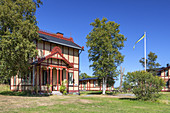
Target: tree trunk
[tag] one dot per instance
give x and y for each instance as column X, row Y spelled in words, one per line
column 104, row 85
column 121, row 77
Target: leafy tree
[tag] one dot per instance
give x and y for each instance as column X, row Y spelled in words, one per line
column 144, row 85
column 18, row 30
column 151, row 63
column 105, row 43
column 84, row 75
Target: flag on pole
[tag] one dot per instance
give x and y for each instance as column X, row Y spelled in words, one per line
column 139, row 40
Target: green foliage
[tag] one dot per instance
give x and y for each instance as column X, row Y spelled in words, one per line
column 126, row 86
column 84, row 75
column 49, row 88
column 105, row 43
column 144, row 85
column 18, row 30
column 151, row 63
column 63, row 88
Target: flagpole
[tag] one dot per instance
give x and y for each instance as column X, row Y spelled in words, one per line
column 145, row 50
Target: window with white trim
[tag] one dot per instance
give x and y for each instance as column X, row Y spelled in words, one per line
column 44, row 77
column 70, row 78
column 14, row 80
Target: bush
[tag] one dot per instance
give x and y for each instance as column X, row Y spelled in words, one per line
column 49, row 88
column 63, row 88
column 143, row 84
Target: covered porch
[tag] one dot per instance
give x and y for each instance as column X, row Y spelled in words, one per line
column 53, row 76
column 52, row 70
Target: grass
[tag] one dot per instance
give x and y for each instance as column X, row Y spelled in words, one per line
column 83, row 104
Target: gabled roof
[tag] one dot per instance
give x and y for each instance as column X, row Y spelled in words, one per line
column 53, row 38
column 56, row 50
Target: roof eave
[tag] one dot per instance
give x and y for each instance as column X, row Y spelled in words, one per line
column 63, row 44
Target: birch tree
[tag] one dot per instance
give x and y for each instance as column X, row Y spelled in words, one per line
column 104, row 43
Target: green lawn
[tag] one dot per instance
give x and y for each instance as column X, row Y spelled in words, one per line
column 84, row 103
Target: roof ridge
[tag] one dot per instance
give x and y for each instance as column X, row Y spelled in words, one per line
column 55, row 35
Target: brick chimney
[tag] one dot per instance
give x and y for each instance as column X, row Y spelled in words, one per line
column 59, row 34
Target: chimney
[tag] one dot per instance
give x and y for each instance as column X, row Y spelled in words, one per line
column 59, row 34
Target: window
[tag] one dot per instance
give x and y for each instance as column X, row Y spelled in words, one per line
column 167, row 84
column 29, row 78
column 64, row 74
column 24, row 80
column 166, row 72
column 14, row 80
column 44, row 77
column 70, row 78
column 94, row 82
column 58, row 76
column 84, row 83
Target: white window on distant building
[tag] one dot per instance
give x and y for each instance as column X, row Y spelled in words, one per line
column 94, row 82
column 14, row 80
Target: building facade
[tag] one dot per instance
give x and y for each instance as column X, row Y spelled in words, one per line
column 165, row 75
column 57, row 61
column 93, row 84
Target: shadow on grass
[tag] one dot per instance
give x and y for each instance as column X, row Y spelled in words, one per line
column 24, row 93
column 96, row 93
column 134, row 99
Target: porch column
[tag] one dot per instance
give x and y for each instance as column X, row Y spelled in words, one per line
column 47, row 77
column 60, row 76
column 40, row 77
column 51, row 78
column 57, row 79
column 67, row 78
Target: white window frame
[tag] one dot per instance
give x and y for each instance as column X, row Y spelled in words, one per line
column 70, row 78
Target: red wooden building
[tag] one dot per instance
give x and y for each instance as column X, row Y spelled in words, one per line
column 164, row 73
column 92, row 84
column 57, row 61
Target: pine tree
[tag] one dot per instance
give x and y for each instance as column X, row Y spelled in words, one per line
column 18, row 30
column 105, row 43
column 151, row 63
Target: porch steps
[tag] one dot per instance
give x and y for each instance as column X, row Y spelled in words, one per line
column 56, row 93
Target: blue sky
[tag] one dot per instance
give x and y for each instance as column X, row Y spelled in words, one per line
column 73, row 18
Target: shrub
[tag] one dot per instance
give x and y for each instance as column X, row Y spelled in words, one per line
column 144, row 85
column 63, row 88
column 49, row 88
